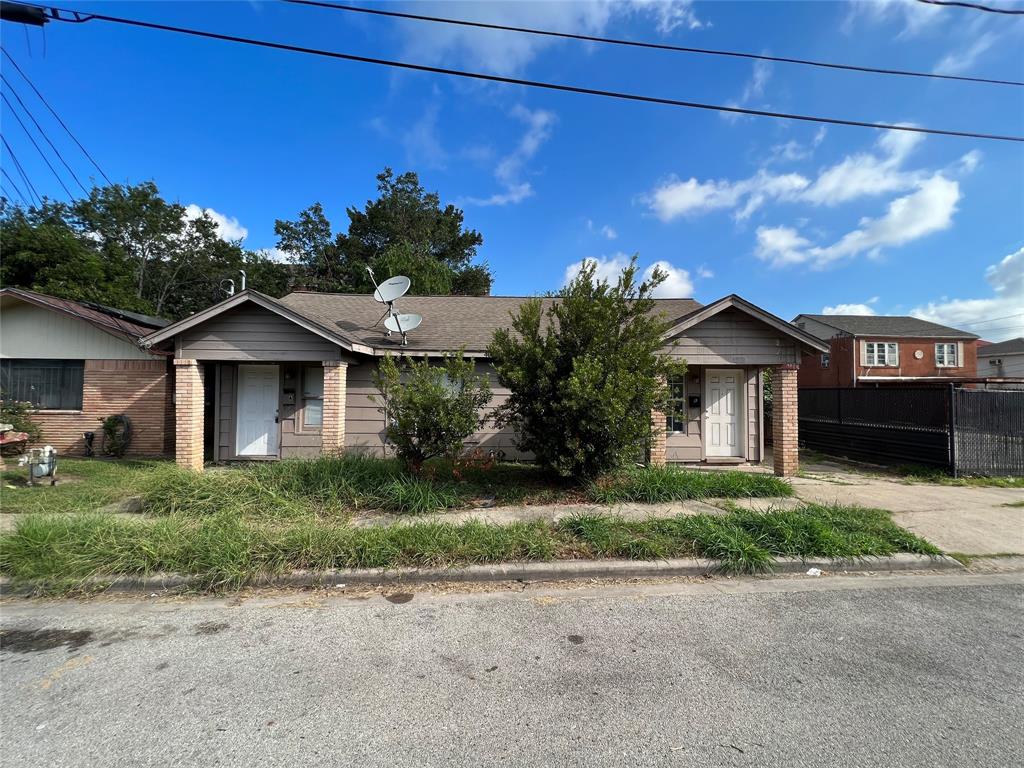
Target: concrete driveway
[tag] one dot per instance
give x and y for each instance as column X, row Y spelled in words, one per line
column 964, row 519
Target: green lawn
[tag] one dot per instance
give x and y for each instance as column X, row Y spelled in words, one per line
column 229, row 548
column 339, row 487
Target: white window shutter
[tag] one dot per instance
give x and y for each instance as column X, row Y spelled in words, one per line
column 959, row 354
column 864, row 353
column 896, row 360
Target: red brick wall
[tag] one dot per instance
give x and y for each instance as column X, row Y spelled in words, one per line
column 846, row 355
column 909, row 366
column 139, row 388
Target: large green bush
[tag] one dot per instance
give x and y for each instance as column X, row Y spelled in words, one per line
column 430, row 410
column 585, row 374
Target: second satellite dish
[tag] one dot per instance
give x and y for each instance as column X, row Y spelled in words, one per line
column 391, row 289
column 403, row 323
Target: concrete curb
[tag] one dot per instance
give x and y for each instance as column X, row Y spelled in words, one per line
column 560, row 570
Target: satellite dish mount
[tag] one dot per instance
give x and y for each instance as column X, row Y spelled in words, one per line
column 388, row 293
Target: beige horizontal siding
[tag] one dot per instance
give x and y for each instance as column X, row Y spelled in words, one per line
column 250, row 332
column 733, row 338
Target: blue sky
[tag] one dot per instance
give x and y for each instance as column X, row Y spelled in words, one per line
column 789, row 215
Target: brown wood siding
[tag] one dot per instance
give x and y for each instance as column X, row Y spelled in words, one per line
column 686, row 448
column 249, row 332
column 364, row 423
column 733, row 338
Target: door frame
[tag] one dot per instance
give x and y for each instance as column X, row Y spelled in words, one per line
column 277, row 411
column 741, row 413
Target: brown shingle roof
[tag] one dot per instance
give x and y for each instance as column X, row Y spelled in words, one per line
column 449, row 322
column 105, row 320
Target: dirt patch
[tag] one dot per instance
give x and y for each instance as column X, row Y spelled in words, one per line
column 399, row 598
column 210, row 628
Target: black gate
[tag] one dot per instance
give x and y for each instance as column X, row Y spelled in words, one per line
column 988, row 428
column 964, row 431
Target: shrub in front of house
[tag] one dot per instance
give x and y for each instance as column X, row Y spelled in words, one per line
column 586, row 373
column 430, row 410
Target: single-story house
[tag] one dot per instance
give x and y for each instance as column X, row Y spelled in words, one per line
column 259, row 378
column 878, row 350
column 1003, row 359
column 78, row 363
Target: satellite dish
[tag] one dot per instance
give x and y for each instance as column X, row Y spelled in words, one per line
column 391, row 289
column 403, row 323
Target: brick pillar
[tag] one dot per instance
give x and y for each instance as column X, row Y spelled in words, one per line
column 188, row 414
column 784, row 420
column 658, row 436
column 335, row 389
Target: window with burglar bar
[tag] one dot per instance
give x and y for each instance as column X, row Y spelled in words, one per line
column 50, row 385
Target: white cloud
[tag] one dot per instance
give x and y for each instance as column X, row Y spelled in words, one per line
column 864, row 174
column 913, row 17
column 228, row 227
column 998, row 317
column 753, row 90
column 276, row 254
column 962, row 60
column 608, row 232
column 422, row 141
column 793, row 150
column 509, row 170
column 864, row 308
column 926, row 210
column 677, row 285
column 608, row 268
column 508, row 53
column 704, row 273
column 970, row 161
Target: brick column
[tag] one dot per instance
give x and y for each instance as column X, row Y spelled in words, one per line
column 188, row 414
column 658, row 436
column 784, row 420
column 335, row 389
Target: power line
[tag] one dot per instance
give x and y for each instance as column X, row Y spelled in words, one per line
column 42, row 132
column 655, row 46
column 36, row 145
column 14, row 184
column 974, row 7
column 993, row 319
column 21, row 171
column 56, row 116
column 81, row 17
column 984, row 331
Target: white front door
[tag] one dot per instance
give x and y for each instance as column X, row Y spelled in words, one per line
column 723, row 420
column 256, row 433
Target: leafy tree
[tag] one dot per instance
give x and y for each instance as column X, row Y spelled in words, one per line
column 586, row 373
column 431, row 409
column 127, row 247
column 405, row 230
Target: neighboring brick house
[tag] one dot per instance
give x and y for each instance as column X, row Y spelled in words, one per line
column 870, row 350
column 79, row 363
column 262, row 378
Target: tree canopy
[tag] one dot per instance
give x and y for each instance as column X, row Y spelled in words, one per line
column 404, row 231
column 126, row 246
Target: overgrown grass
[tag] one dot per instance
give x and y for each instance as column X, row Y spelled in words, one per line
column 341, row 486
column 83, row 485
column 229, row 549
column 918, row 474
column 659, row 484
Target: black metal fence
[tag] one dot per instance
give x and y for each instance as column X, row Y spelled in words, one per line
column 964, row 431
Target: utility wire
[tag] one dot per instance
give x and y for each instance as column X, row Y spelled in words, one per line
column 15, row 185
column 36, row 145
column 81, row 17
column 643, row 44
column 54, row 113
column 42, row 132
column 21, row 171
column 993, row 319
column 974, row 7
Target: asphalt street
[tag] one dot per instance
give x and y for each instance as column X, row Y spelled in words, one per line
column 912, row 670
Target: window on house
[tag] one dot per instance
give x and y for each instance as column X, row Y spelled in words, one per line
column 826, row 359
column 53, row 385
column 945, row 356
column 881, row 353
column 675, row 421
column 313, row 396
